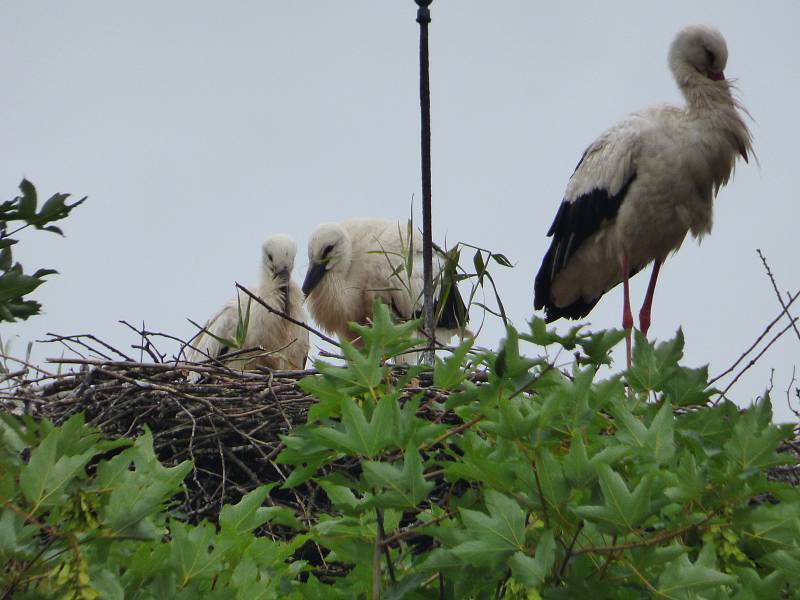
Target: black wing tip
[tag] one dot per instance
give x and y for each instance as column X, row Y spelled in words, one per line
column 454, row 313
column 577, row 310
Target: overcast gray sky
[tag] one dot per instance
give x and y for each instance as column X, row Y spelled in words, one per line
column 198, row 128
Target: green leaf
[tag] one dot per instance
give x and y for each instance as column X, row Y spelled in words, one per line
column 654, row 365
column 191, row 551
column 343, row 498
column 28, row 201
column 501, row 259
column 361, row 437
column 440, row 560
column 532, row 572
column 658, row 440
column 771, row 527
column 682, row 579
column 54, row 209
column 597, row 345
column 477, row 261
column 364, row 370
column 14, row 284
column 577, row 468
column 138, row 494
column 623, row 510
column 689, row 481
column 248, row 513
column 496, row 536
column 449, row 374
column 754, row 442
column 551, row 477
column 688, row 387
column 541, row 336
column 785, row 561
column 509, row 364
column 47, row 474
column 383, row 339
column 406, row 485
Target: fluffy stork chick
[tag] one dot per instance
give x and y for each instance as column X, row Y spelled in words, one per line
column 285, row 345
column 644, row 184
column 352, row 263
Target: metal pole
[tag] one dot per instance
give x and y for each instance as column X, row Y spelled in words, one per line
column 423, row 18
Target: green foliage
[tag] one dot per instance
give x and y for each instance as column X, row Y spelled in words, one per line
column 85, row 517
column 532, row 483
column 551, row 484
column 14, row 283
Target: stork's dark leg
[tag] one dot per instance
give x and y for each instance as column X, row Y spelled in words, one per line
column 627, row 315
column 644, row 314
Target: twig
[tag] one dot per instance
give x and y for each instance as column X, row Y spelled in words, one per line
column 76, row 339
column 788, row 394
column 386, row 549
column 568, row 553
column 758, row 340
column 283, row 315
column 376, row 564
column 656, row 539
column 777, row 292
column 754, row 360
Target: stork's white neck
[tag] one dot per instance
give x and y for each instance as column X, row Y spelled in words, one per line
column 270, row 290
column 332, row 303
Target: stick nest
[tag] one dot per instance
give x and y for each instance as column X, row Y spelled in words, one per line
column 229, row 424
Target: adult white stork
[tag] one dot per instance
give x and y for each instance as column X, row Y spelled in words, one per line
column 280, row 344
column 353, row 262
column 643, row 185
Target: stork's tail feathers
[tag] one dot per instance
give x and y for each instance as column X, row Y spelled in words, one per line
column 450, row 309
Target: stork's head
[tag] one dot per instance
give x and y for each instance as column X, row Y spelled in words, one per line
column 329, row 250
column 698, row 49
column 277, row 258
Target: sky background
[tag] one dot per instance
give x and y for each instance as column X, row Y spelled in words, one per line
column 198, row 128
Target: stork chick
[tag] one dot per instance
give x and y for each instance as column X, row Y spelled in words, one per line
column 281, row 344
column 353, row 262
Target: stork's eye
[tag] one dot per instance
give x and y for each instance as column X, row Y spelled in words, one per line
column 327, row 250
column 709, row 55
column 269, row 256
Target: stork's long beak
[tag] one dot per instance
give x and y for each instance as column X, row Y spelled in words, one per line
column 316, row 271
column 283, row 277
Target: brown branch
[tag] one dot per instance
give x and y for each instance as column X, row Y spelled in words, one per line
column 764, row 333
column 283, row 315
column 386, row 549
column 376, row 563
column 76, row 339
column 777, row 292
column 655, row 540
column 754, row 360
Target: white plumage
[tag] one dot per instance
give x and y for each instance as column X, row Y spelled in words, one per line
column 280, row 344
column 644, row 184
column 352, row 263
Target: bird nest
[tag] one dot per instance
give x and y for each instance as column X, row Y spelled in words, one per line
column 229, row 424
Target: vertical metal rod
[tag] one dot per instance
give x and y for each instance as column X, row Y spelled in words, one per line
column 423, row 18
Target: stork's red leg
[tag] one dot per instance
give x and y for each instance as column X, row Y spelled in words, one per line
column 644, row 314
column 627, row 316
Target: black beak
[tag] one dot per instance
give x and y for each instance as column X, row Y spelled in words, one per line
column 316, row 271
